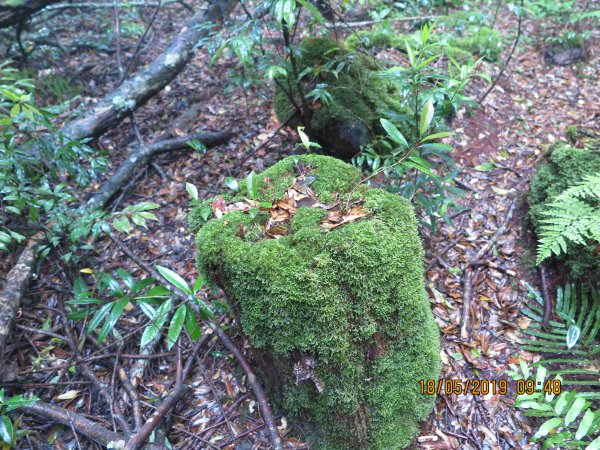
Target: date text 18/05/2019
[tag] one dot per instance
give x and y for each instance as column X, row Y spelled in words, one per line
column 484, row 387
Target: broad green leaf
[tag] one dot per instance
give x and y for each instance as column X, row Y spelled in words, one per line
column 284, row 11
column 7, row 432
column 304, row 138
column 410, row 53
column 251, row 185
column 198, row 283
column 192, row 190
column 594, row 445
column 313, row 10
column 426, row 117
column 585, row 424
column 98, row 317
column 575, row 409
column 440, row 135
column 176, row 326
column 191, row 324
column 18, row 400
column 157, row 292
column 232, row 183
column 393, row 133
column 174, row 279
column 114, row 316
column 485, row 167
column 159, row 319
column 548, row 426
column 128, row 280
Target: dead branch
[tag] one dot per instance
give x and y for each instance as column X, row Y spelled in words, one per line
column 261, row 398
column 548, row 301
column 141, row 155
column 137, row 90
column 88, row 428
column 15, row 13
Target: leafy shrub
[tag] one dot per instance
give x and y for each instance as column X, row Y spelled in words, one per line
column 342, row 308
column 9, row 430
column 345, row 95
column 563, row 198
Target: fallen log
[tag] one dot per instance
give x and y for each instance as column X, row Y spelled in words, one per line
column 18, row 277
column 15, row 12
column 137, row 90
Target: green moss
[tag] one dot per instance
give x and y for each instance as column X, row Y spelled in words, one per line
column 565, row 167
column 359, row 97
column 352, row 298
column 465, row 38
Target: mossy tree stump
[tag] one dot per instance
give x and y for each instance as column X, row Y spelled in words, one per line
column 328, row 288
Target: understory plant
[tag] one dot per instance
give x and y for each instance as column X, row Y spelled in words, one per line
column 325, row 278
column 10, row 429
column 568, row 419
column 564, row 198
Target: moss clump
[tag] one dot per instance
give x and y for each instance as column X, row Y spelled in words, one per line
column 565, row 167
column 351, row 300
column 358, row 96
column 465, row 37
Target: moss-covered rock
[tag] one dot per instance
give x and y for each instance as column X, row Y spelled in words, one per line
column 359, row 97
column 565, row 166
column 339, row 321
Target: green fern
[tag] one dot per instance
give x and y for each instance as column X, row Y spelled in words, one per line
column 570, row 420
column 570, row 346
column 573, row 217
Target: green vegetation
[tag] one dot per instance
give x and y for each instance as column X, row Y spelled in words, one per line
column 564, row 209
column 462, row 37
column 351, row 298
column 346, row 95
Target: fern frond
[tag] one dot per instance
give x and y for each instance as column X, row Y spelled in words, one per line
column 571, row 343
column 573, row 217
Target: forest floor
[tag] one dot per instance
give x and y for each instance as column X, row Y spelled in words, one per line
column 496, row 147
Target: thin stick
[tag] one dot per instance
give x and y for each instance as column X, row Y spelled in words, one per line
column 512, row 51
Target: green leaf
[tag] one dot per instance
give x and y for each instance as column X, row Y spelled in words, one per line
column 594, row 445
column 191, row 324
column 251, row 185
column 313, row 10
column 128, row 280
column 284, row 11
column 176, row 326
column 575, row 409
column 485, row 167
column 114, row 316
column 174, row 279
column 192, row 190
column 547, row 426
column 7, row 432
column 439, row 135
column 17, row 401
column 393, row 133
column 573, row 335
column 158, row 320
column 232, row 183
column 585, row 424
column 98, row 317
column 426, row 117
column 198, row 283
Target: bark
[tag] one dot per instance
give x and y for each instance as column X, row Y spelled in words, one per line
column 18, row 277
column 134, row 92
column 15, row 12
